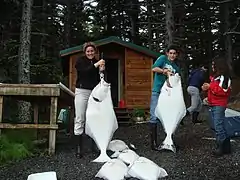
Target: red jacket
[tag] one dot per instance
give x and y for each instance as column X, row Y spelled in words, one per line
column 217, row 95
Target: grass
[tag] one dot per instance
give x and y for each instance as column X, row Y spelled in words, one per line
column 16, row 145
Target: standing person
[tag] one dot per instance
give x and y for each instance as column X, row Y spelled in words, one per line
column 163, row 67
column 195, row 82
column 219, row 90
column 87, row 78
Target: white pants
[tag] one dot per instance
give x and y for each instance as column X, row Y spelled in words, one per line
column 81, row 100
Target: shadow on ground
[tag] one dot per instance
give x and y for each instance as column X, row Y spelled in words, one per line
column 192, row 161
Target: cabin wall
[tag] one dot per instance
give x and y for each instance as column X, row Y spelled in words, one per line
column 72, row 71
column 138, row 79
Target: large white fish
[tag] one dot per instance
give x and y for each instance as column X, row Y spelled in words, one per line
column 101, row 121
column 170, row 109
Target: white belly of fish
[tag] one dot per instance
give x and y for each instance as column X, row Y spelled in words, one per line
column 170, row 111
column 101, row 121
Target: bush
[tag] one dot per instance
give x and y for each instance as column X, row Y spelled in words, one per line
column 15, row 146
column 138, row 112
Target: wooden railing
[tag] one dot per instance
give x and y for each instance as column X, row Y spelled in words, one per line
column 38, row 94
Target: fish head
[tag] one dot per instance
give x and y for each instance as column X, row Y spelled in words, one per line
column 101, row 91
column 174, row 80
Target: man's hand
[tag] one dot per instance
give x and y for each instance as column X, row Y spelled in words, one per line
column 167, row 72
column 205, row 86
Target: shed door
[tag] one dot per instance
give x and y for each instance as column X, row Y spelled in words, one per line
column 112, row 71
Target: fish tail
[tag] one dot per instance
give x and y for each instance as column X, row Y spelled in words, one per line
column 103, row 157
column 168, row 144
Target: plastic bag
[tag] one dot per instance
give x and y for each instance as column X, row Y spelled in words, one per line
column 43, row 176
column 113, row 170
column 117, row 146
column 145, row 169
column 171, row 109
column 101, row 121
column 128, row 156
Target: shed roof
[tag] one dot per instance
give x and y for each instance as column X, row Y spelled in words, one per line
column 111, row 39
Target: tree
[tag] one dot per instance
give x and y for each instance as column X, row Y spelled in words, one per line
column 24, row 57
column 169, row 22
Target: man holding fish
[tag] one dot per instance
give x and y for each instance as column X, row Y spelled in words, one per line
column 163, row 67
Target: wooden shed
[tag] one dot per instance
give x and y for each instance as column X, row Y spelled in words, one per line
column 128, row 67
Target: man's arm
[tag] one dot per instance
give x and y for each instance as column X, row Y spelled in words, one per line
column 157, row 66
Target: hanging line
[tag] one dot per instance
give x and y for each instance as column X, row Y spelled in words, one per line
column 101, row 69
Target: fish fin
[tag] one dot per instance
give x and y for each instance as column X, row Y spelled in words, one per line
column 170, row 147
column 102, row 158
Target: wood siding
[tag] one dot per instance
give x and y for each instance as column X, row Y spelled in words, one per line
column 138, row 79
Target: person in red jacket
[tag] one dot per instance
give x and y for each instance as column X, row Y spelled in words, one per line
column 219, row 90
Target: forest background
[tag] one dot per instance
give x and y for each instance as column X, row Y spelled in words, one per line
column 32, row 32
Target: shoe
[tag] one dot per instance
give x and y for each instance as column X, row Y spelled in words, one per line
column 227, row 146
column 187, row 114
column 218, row 152
column 153, row 136
column 78, row 140
column 195, row 118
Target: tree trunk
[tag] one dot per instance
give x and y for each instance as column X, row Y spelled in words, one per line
column 227, row 39
column 67, row 25
column 133, row 14
column 42, row 52
column 24, row 57
column 209, row 46
column 109, row 20
column 149, row 14
column 169, row 22
column 180, row 13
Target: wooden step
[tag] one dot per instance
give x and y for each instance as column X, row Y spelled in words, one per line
column 122, row 114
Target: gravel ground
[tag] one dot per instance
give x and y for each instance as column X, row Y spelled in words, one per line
column 192, row 161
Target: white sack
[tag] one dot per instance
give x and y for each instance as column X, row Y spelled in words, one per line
column 128, row 156
column 145, row 169
column 114, row 169
column 43, row 176
column 171, row 109
column 117, row 146
column 231, row 113
column 101, row 121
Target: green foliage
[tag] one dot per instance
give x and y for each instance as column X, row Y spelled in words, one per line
column 15, row 145
column 138, row 112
